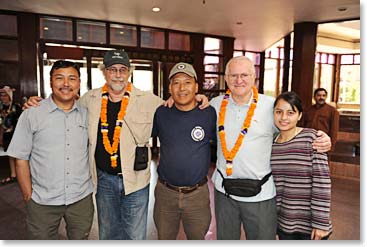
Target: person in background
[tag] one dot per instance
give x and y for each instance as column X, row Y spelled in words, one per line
column 185, row 133
column 9, row 114
column 50, row 144
column 245, row 135
column 322, row 116
column 301, row 176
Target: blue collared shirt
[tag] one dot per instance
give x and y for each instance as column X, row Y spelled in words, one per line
column 253, row 158
column 56, row 144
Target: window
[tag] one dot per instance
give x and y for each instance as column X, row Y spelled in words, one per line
column 349, row 84
column 326, row 79
column 237, row 53
column 214, row 82
column 213, row 64
column 213, row 46
column 347, row 59
column 56, row 28
column 8, row 25
column 91, row 32
column 324, row 73
column 152, row 38
column 179, row 41
column 273, row 72
column 123, row 35
column 271, row 77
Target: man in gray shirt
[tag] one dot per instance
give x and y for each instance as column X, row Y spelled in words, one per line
column 50, row 144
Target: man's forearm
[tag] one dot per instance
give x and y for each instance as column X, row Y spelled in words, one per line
column 24, row 178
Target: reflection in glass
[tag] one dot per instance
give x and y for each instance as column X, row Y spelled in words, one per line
column 56, row 28
column 179, row 41
column 210, row 82
column 123, row 35
column 152, row 38
column 94, row 32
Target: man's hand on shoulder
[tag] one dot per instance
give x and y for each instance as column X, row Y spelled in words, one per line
column 200, row 98
column 32, row 101
column 203, row 99
column 169, row 103
column 322, row 143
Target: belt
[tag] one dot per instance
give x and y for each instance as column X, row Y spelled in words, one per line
column 184, row 189
column 112, row 174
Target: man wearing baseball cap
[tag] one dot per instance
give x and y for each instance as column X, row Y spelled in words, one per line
column 185, row 133
column 120, row 118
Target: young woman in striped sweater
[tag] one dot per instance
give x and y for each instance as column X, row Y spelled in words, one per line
column 301, row 176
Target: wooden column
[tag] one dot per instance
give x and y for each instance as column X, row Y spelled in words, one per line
column 304, row 50
column 287, row 51
column 262, row 72
column 197, row 47
column 27, row 30
column 228, row 47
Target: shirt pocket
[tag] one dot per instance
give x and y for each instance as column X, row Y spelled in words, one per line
column 140, row 124
column 82, row 134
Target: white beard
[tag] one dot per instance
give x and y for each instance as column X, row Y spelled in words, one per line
column 117, row 87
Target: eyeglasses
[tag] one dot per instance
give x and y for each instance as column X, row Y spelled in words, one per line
column 242, row 76
column 113, row 70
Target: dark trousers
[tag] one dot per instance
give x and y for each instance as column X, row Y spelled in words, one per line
column 296, row 236
column 43, row 220
column 258, row 218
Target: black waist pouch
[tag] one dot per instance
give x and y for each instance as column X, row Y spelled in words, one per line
column 141, row 158
column 243, row 187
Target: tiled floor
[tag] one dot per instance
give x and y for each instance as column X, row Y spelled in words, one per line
column 345, row 212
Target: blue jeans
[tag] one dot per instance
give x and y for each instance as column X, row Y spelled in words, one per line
column 120, row 216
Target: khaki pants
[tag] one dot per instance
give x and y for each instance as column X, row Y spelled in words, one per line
column 43, row 221
column 171, row 207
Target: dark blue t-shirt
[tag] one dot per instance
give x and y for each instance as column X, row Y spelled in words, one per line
column 185, row 138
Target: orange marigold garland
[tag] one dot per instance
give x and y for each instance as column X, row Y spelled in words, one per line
column 112, row 149
column 229, row 155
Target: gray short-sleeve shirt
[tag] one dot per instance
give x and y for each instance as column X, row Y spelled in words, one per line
column 56, row 144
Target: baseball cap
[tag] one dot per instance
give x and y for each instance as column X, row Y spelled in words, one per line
column 116, row 57
column 183, row 68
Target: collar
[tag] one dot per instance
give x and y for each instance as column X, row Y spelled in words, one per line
column 231, row 101
column 53, row 107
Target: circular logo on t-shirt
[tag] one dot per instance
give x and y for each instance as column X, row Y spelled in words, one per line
column 197, row 133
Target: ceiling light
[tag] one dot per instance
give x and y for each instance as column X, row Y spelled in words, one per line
column 156, row 9
column 80, row 37
column 45, row 28
column 121, row 32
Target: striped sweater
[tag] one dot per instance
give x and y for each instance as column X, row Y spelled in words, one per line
column 303, row 185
